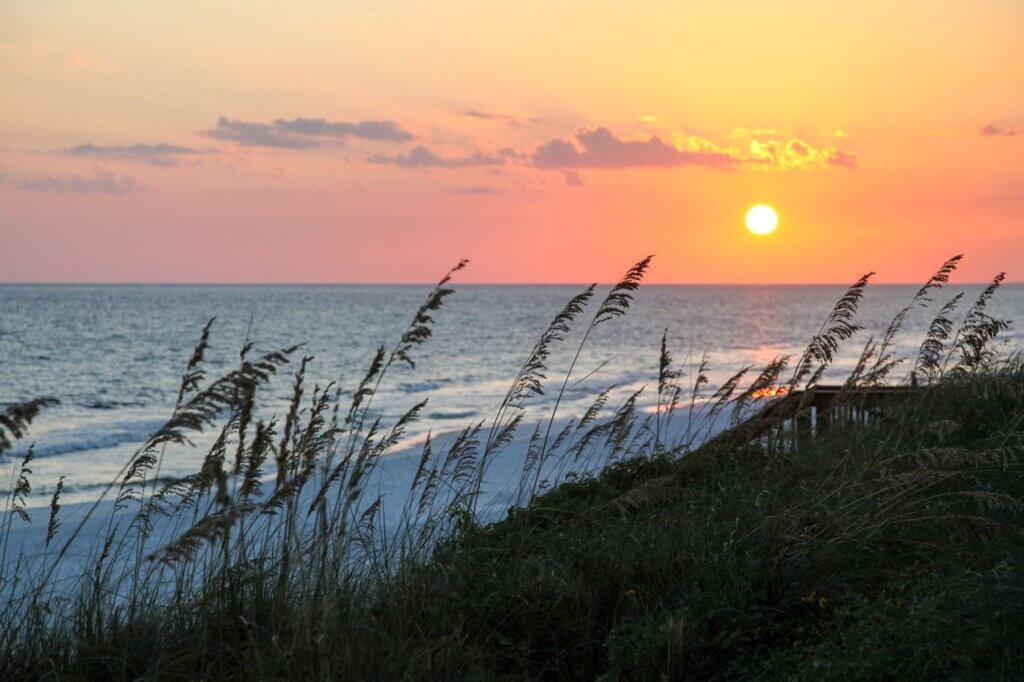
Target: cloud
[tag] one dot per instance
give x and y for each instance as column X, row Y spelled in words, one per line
column 155, row 154
column 303, row 133
column 836, row 157
column 794, row 153
column 258, row 135
column 753, row 132
column 103, row 182
column 424, row 157
column 386, row 131
column 477, row 189
column 799, row 148
column 509, row 119
column 773, row 149
column 572, row 178
column 991, row 130
column 601, row 149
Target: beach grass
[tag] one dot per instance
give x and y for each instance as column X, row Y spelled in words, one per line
column 886, row 548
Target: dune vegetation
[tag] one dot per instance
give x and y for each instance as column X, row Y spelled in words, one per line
column 637, row 546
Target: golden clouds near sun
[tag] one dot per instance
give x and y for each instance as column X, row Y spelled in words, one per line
column 761, row 219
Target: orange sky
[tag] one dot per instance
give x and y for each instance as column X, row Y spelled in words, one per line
column 336, row 142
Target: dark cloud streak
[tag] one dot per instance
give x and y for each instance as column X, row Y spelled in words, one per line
column 599, row 148
column 102, row 183
column 508, row 119
column 477, row 189
column 303, row 133
column 424, row 157
column 154, row 154
column 992, row 130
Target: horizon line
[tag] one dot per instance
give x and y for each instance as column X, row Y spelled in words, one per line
column 478, row 283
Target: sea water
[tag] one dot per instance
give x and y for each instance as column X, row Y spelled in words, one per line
column 113, row 355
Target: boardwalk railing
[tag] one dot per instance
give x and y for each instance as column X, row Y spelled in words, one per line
column 801, row 415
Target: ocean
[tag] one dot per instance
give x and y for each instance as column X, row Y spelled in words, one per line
column 113, row 354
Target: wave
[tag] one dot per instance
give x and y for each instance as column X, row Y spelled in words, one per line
column 94, row 436
column 464, row 414
column 419, row 386
column 45, row 489
column 97, row 404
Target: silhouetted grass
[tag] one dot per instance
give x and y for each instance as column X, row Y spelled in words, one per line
column 888, row 548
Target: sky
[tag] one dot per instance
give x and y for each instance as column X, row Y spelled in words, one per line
column 197, row 141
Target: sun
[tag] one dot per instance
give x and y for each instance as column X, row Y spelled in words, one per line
column 762, row 219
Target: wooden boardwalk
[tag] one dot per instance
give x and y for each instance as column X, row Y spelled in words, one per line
column 805, row 413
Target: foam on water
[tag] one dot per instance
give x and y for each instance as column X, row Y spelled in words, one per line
column 94, row 435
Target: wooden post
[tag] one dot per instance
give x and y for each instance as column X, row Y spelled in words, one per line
column 824, row 418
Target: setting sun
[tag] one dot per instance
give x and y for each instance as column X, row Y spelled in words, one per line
column 761, row 219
